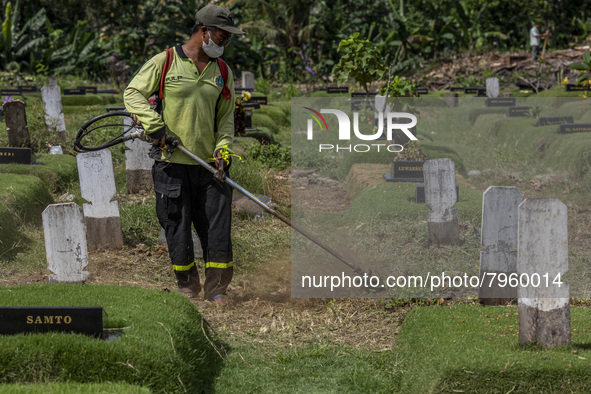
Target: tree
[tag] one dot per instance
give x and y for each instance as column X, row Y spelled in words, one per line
column 359, row 60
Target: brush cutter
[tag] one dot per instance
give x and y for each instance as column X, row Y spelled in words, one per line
column 105, row 131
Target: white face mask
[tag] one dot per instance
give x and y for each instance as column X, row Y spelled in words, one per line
column 212, row 49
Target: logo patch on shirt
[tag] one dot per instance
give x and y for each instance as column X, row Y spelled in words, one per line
column 219, row 80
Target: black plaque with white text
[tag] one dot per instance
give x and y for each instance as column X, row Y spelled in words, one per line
column 500, row 102
column 574, row 128
column 258, row 99
column 515, row 112
column 337, row 89
column 555, row 120
column 74, row 92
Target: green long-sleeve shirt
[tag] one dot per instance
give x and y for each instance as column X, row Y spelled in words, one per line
column 188, row 107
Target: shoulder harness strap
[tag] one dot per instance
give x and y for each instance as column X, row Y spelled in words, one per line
column 224, row 71
column 167, row 64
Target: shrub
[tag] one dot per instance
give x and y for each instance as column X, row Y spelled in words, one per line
column 274, row 156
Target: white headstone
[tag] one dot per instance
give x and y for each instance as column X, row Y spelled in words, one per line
column 440, row 196
column 380, row 104
column 97, row 184
column 542, row 261
column 138, row 165
column 492, row 87
column 247, row 80
column 65, row 243
column 51, row 96
column 498, row 253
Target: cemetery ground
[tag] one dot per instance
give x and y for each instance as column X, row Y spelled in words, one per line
column 266, row 341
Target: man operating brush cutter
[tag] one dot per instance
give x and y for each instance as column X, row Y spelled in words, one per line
column 196, row 94
column 191, row 126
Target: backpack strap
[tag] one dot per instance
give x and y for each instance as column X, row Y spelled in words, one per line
column 224, row 71
column 225, row 91
column 167, row 64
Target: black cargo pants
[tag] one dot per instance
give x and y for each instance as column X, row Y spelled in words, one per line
column 189, row 194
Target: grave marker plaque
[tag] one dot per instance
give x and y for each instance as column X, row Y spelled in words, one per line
column 65, row 243
column 88, row 89
column 39, row 319
column 515, row 112
column 555, row 120
column 251, row 105
column 337, row 89
column 500, row 102
column 570, row 87
column 574, row 128
column 498, row 241
column 97, row 184
column 476, row 91
column 52, row 102
column 440, row 196
column 10, row 92
column 28, row 88
column 542, row 252
column 16, row 156
column 406, row 171
column 420, row 91
column 455, row 89
column 258, row 100
column 74, row 92
column 363, row 94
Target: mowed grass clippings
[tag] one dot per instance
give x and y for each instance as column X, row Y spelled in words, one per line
column 165, row 346
column 470, row 348
column 385, row 231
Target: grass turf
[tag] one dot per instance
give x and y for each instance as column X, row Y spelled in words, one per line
column 313, row 368
column 56, row 172
column 166, row 345
column 24, row 195
column 469, row 348
column 59, row 388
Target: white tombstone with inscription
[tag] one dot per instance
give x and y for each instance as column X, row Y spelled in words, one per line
column 440, row 196
column 138, row 165
column 65, row 243
column 498, row 253
column 542, row 261
column 97, row 184
column 51, row 95
column 492, row 87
